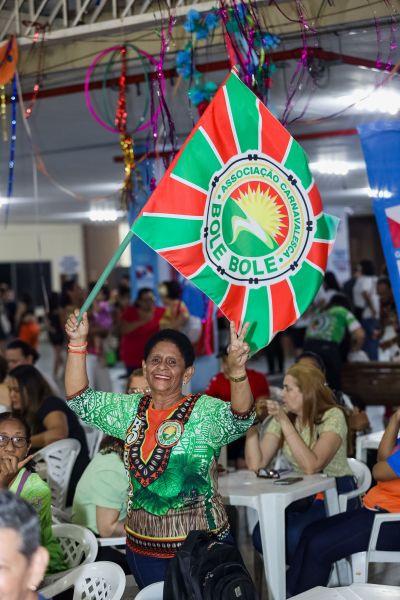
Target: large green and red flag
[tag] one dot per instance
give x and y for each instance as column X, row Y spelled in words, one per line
column 239, row 215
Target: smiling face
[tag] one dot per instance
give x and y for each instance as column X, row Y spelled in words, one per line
column 165, row 370
column 12, row 428
column 292, row 395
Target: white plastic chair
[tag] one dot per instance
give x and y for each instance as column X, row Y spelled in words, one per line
column 341, row 572
column 79, row 546
column 93, row 438
column 54, row 464
column 151, row 592
column 366, row 442
column 97, row 581
column 362, row 475
column 59, row 516
column 361, row 560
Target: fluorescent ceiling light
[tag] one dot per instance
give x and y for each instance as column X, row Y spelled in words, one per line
column 381, row 100
column 331, row 167
column 375, row 193
column 105, row 214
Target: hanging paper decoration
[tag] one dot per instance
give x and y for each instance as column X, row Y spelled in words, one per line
column 3, row 112
column 104, row 119
column 249, row 46
column 11, row 162
column 120, row 124
column 40, row 31
column 155, row 99
column 201, row 27
column 8, row 60
column 126, row 140
column 202, row 93
column 240, row 216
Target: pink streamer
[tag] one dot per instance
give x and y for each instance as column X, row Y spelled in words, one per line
column 148, row 123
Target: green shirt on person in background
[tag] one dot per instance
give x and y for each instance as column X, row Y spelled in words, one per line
column 37, row 493
column 103, row 483
column 330, row 325
column 173, row 488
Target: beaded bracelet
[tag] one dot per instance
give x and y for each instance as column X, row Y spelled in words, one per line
column 77, row 351
column 76, row 346
column 238, row 379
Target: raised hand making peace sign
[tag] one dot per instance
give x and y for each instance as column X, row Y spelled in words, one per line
column 238, row 352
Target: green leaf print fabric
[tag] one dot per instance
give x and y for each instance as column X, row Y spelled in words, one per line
column 175, row 489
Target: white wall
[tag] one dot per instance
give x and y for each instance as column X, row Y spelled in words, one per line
column 19, row 243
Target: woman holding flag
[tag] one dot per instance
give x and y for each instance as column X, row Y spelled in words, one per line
column 172, row 442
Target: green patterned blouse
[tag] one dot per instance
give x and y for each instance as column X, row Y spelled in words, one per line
column 173, row 490
column 37, row 493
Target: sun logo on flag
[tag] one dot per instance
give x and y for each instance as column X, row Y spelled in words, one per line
column 264, row 216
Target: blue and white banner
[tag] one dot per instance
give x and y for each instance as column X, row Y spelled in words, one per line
column 381, row 146
column 144, row 268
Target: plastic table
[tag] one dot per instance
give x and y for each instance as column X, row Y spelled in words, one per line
column 244, row 488
column 356, row 591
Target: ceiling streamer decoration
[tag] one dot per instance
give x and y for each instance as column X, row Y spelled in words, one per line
column 155, row 85
column 38, row 40
column 11, row 160
column 8, row 60
column 201, row 27
column 8, row 66
column 249, row 45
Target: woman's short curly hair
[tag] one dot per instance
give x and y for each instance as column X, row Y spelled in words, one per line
column 180, row 340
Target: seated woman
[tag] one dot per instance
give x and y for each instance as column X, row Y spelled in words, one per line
column 15, row 444
column 101, row 497
column 311, row 430
column 48, row 417
column 329, row 540
column 172, row 442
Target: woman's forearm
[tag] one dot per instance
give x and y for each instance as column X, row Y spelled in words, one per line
column 305, row 457
column 252, row 450
column 76, row 378
column 389, row 438
column 241, row 395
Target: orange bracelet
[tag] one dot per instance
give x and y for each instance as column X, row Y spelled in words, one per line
column 75, row 346
column 77, row 351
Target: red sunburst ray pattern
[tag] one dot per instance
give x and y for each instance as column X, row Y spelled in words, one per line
column 284, row 311
column 187, row 260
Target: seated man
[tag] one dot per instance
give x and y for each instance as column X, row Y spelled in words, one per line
column 329, row 540
column 23, row 560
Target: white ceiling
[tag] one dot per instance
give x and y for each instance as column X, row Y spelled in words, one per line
column 78, row 153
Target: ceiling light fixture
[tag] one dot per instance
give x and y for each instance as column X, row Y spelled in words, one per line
column 375, row 193
column 331, row 167
column 104, row 215
column 380, row 100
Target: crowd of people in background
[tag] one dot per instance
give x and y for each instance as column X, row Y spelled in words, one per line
column 309, row 423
